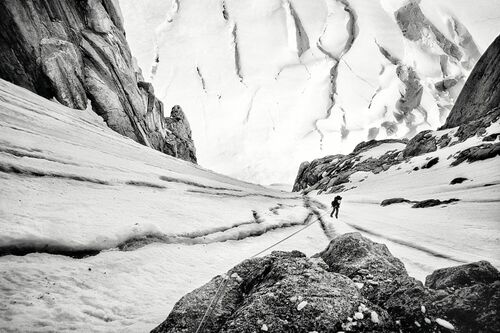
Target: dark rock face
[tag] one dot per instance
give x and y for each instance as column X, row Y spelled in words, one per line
column 432, row 162
column 422, row 143
column 480, row 94
column 179, row 143
column 463, row 276
column 478, row 153
column 458, row 180
column 357, row 287
column 432, row 203
column 75, row 50
column 392, row 201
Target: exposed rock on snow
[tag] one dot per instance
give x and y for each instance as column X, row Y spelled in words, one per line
column 72, row 50
column 478, row 153
column 480, row 94
column 270, row 284
column 392, row 201
column 458, row 180
column 432, row 203
column 432, row 162
column 422, row 143
column 417, row 204
column 463, row 276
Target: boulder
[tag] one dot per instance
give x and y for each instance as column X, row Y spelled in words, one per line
column 477, row 153
column 491, row 137
column 282, row 292
column 392, row 201
column 432, row 162
column 463, row 276
column 471, row 307
column 422, row 143
column 432, row 202
column 458, row 180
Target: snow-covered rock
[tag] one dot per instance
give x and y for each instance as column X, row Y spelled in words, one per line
column 268, row 84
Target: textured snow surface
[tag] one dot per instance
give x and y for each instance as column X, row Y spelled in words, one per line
column 267, row 84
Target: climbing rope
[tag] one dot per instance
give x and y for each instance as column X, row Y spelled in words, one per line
column 222, row 286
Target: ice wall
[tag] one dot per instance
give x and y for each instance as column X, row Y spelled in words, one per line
column 267, row 84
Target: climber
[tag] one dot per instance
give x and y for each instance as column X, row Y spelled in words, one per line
column 336, row 205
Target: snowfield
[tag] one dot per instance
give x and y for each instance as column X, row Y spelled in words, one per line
column 114, row 233
column 267, row 84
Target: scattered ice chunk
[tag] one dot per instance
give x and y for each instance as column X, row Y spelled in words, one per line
column 422, row 308
column 374, row 317
column 236, row 277
column 293, row 299
column 445, row 324
column 417, row 324
column 427, row 320
column 301, row 305
column 264, row 327
column 358, row 315
column 359, row 285
column 362, row 308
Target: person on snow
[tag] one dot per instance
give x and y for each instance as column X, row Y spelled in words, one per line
column 336, row 205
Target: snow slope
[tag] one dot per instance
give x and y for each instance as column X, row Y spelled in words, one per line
column 71, row 187
column 114, row 233
column 268, row 84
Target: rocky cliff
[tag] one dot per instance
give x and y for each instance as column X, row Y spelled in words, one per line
column 354, row 285
column 76, row 51
column 481, row 93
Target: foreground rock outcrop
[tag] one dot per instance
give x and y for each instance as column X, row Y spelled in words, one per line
column 76, row 51
column 354, row 285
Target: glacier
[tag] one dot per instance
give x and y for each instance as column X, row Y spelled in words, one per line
column 268, row 84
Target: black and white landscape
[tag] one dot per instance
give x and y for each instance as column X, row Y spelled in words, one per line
column 152, row 200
